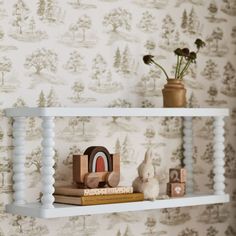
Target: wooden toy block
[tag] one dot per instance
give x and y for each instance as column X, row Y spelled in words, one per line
column 175, row 189
column 80, row 168
column 177, row 175
column 116, row 162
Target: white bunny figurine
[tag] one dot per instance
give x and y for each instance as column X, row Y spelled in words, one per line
column 146, row 183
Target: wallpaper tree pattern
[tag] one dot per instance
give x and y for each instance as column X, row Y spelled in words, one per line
column 88, row 53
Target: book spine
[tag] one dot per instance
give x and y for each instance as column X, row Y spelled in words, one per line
column 66, row 200
column 91, row 192
column 109, row 199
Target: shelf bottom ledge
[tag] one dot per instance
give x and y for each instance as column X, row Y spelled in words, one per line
column 64, row 210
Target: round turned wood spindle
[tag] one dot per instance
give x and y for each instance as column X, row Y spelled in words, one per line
column 188, row 153
column 47, row 170
column 19, row 161
column 219, row 185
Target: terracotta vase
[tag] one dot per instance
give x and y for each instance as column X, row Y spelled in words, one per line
column 174, row 94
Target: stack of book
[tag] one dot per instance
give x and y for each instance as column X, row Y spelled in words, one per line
column 85, row 197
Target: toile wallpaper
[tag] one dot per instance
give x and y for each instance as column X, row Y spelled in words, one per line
column 88, row 53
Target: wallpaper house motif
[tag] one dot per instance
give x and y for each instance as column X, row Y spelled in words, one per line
column 88, row 53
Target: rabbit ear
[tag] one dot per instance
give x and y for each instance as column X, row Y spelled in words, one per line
column 148, row 156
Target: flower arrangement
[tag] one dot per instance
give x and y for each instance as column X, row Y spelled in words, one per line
column 184, row 59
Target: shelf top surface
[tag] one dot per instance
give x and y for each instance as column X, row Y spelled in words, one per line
column 103, row 112
column 62, row 210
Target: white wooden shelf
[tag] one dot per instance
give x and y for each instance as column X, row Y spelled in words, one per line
column 47, row 208
column 98, row 112
column 63, row 210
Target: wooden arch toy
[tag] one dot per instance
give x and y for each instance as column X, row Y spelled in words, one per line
column 96, row 168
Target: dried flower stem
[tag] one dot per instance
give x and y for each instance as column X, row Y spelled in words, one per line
column 177, row 67
column 167, row 77
column 184, row 69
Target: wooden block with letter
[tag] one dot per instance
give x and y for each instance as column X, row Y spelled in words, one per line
column 175, row 189
column 177, row 175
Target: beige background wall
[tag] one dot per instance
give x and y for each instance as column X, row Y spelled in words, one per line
column 75, row 53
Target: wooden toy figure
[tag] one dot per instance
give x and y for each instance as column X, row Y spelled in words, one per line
column 96, row 168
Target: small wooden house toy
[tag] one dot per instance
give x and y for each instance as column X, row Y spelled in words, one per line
column 96, row 168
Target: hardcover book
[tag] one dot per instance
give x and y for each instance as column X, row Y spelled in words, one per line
column 74, row 191
column 99, row 199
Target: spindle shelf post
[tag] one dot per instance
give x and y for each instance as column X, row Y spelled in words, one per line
column 218, row 146
column 47, row 170
column 188, row 153
column 19, row 185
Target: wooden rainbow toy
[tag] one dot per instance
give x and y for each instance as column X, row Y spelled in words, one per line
column 96, row 168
